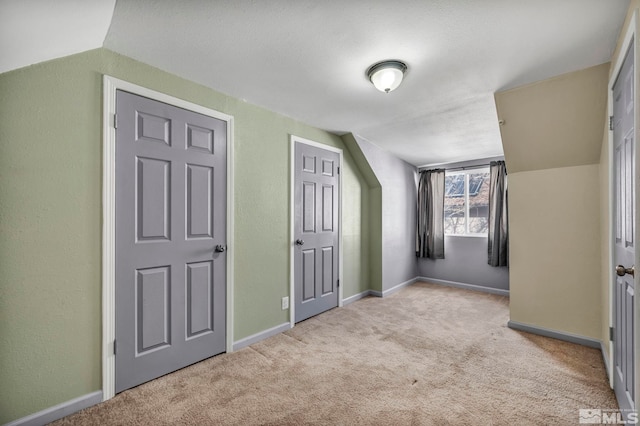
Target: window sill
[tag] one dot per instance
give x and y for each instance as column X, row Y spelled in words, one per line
column 467, row 235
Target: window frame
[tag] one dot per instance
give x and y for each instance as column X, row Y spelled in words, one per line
column 466, row 172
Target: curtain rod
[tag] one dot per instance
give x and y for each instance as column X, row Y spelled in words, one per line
column 455, row 169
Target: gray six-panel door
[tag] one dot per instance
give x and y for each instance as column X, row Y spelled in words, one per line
column 624, row 245
column 316, row 230
column 170, row 216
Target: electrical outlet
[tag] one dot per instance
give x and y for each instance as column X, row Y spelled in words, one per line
column 285, row 303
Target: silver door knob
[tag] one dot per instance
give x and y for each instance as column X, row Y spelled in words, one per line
column 220, row 248
column 621, row 271
column 299, row 242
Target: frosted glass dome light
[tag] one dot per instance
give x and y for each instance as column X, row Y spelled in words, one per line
column 386, row 76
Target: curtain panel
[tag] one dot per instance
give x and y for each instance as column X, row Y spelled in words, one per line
column 430, row 215
column 498, row 248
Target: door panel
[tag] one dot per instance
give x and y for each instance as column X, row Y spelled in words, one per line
column 170, row 215
column 153, row 183
column 327, row 270
column 153, row 293
column 327, row 208
column 316, row 230
column 200, row 303
column 200, row 212
column 309, row 207
column 308, row 275
column 624, row 245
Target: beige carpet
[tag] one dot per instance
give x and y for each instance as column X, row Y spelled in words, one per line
column 427, row 355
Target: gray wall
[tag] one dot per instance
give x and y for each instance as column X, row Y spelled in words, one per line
column 465, row 259
column 399, row 190
column 465, row 262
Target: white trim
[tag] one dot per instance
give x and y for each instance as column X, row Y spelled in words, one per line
column 265, row 334
column 110, row 86
column 465, row 286
column 108, row 239
column 59, row 411
column 292, row 159
column 605, row 359
column 555, row 334
column 466, row 172
column 629, row 37
column 636, row 284
column 395, row 288
column 349, row 300
column 376, row 293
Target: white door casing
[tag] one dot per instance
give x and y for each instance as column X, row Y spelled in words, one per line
column 110, row 86
column 292, row 246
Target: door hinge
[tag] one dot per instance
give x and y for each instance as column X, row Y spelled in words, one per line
column 338, row 169
column 611, row 335
column 611, row 122
column 338, row 283
column 114, row 347
column 115, row 121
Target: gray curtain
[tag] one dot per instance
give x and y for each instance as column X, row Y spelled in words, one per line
column 498, row 215
column 430, row 215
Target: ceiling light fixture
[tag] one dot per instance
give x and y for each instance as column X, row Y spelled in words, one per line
column 386, row 75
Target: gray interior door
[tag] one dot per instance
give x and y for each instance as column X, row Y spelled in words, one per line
column 624, row 246
column 170, row 215
column 316, row 226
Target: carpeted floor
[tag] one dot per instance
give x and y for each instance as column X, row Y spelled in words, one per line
column 426, row 355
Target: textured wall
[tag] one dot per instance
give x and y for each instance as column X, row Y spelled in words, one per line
column 466, row 257
column 371, row 240
column 50, row 229
column 465, row 262
column 398, row 199
column 555, row 249
column 552, row 138
column 556, row 122
column 50, row 221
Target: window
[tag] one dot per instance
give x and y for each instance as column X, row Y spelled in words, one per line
column 466, row 202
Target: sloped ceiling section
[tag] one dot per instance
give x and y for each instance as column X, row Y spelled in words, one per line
column 33, row 31
column 554, row 123
column 307, row 59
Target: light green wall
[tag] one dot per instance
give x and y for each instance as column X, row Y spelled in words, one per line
column 356, row 230
column 50, row 220
column 372, row 204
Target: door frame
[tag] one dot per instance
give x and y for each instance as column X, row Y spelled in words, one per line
column 630, row 36
column 110, row 86
column 292, row 158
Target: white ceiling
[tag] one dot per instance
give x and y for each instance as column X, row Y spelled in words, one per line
column 307, row 58
column 33, row 31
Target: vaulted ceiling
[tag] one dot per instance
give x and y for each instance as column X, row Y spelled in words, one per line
column 307, row 58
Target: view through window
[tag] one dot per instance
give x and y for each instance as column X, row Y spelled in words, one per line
column 466, row 202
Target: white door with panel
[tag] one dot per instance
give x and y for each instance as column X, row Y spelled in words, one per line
column 170, row 295
column 316, row 230
column 624, row 227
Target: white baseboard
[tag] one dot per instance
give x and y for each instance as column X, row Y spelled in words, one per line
column 395, row 288
column 560, row 335
column 59, row 411
column 356, row 297
column 377, row 293
column 255, row 338
column 465, row 286
column 605, row 358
